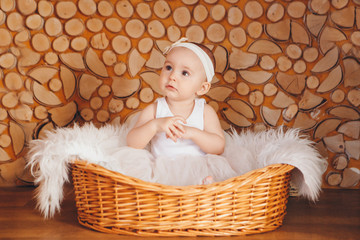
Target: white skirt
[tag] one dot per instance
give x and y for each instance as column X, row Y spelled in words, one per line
column 184, row 170
column 181, row 170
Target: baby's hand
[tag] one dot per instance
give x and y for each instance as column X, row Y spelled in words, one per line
column 187, row 132
column 171, row 126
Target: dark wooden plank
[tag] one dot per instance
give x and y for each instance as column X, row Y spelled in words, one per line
column 335, row 216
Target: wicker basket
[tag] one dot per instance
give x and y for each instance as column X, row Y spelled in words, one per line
column 114, row 203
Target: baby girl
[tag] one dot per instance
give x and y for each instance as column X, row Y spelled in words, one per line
column 181, row 127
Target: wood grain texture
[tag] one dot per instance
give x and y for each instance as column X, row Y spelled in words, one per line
column 48, row 49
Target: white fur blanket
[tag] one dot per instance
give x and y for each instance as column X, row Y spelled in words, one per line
column 49, row 158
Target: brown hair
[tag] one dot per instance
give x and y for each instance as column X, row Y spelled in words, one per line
column 208, row 52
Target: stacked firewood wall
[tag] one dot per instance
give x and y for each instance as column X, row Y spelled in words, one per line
column 293, row 63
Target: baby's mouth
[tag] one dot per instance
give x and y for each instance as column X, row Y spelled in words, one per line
column 170, row 87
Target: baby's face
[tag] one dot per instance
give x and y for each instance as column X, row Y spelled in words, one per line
column 182, row 75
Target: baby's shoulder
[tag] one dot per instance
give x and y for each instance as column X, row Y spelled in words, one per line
column 210, row 114
column 148, row 112
column 208, row 109
column 151, row 108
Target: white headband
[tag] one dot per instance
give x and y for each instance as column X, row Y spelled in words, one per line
column 202, row 55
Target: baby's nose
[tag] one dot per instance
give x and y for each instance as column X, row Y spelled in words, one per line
column 173, row 76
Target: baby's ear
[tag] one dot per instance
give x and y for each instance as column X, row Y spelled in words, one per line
column 205, row 87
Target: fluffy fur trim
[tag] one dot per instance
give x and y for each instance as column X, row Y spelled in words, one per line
column 249, row 150
column 49, row 158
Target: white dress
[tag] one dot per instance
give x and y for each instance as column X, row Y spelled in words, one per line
column 183, row 163
column 165, row 147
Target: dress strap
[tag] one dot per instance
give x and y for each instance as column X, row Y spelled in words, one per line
column 162, row 108
column 196, row 119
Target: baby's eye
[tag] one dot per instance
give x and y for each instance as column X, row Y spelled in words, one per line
column 168, row 67
column 185, row 73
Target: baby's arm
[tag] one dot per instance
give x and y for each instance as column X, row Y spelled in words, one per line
column 211, row 140
column 147, row 126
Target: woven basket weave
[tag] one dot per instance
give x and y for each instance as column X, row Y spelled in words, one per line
column 114, row 203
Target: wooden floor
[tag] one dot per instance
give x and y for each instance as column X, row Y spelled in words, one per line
column 335, row 216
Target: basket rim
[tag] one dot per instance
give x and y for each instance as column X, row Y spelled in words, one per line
column 239, row 181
